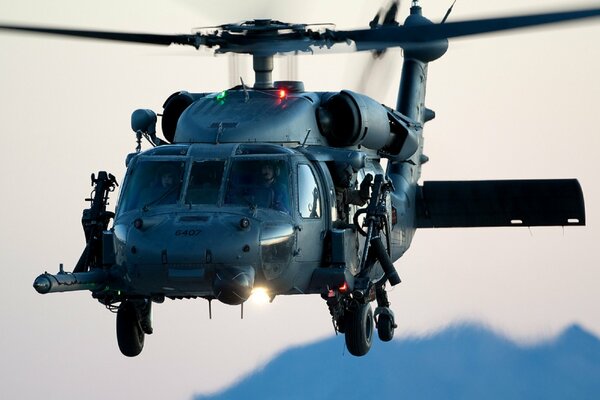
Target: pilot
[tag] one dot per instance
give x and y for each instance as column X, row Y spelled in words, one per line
column 269, row 172
column 166, row 190
column 167, row 180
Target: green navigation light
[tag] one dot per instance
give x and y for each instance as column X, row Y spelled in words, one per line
column 221, row 96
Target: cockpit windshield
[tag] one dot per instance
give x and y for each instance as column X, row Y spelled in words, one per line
column 259, row 183
column 152, row 183
column 205, row 181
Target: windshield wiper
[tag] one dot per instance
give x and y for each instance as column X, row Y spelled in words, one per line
column 161, row 197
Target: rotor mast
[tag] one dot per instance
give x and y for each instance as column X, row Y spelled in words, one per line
column 263, row 71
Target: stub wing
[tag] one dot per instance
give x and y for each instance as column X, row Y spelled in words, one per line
column 455, row 204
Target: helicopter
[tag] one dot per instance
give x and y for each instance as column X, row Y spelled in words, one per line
column 216, row 231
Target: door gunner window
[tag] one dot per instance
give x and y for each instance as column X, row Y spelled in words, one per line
column 152, row 183
column 309, row 198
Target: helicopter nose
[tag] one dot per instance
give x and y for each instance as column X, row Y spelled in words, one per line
column 233, row 285
column 209, row 254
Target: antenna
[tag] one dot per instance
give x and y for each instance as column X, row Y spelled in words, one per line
column 246, row 95
column 448, row 12
column 306, row 137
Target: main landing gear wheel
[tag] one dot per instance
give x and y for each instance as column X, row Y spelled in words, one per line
column 359, row 329
column 130, row 335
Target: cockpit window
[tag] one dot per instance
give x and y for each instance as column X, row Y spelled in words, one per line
column 152, row 183
column 309, row 198
column 205, row 181
column 260, row 183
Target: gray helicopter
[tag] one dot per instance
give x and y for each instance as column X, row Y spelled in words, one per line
column 269, row 186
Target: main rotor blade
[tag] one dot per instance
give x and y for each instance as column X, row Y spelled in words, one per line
column 147, row 38
column 372, row 39
column 382, row 37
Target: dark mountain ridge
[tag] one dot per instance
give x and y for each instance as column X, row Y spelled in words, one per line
column 460, row 362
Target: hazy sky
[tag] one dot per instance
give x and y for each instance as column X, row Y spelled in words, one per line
column 511, row 106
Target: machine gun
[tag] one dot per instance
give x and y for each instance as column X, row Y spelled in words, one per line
column 88, row 274
column 95, row 220
column 376, row 221
column 365, row 288
column 368, row 285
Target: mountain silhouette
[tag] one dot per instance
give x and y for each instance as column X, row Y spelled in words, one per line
column 460, row 362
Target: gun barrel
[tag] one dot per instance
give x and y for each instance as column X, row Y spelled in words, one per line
column 68, row 282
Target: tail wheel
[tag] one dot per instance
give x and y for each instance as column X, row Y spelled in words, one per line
column 385, row 327
column 359, row 329
column 130, row 335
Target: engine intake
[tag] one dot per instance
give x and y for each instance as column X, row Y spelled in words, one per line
column 174, row 106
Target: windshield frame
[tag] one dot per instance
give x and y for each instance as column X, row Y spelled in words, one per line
column 188, row 177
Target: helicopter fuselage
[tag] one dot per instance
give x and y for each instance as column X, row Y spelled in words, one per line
column 222, row 229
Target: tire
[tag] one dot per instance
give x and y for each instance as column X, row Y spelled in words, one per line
column 359, row 329
column 341, row 325
column 130, row 335
column 385, row 327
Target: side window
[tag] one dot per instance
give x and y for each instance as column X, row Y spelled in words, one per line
column 309, row 197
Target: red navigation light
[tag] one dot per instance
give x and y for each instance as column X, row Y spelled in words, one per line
column 282, row 93
column 344, row 287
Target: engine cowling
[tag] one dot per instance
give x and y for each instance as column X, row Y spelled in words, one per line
column 349, row 119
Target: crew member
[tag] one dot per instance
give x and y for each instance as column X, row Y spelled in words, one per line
column 268, row 173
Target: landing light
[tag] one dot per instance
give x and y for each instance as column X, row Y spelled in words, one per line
column 260, row 296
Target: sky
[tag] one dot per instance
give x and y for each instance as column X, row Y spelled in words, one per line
column 511, row 106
